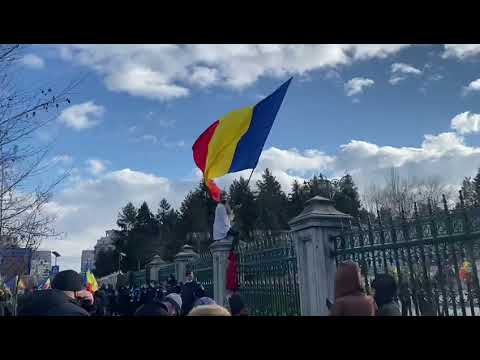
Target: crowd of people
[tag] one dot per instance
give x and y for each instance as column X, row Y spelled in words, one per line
column 69, row 297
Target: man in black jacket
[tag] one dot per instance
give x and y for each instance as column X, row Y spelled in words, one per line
column 189, row 290
column 61, row 300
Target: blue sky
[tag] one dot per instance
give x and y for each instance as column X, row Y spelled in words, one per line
column 128, row 132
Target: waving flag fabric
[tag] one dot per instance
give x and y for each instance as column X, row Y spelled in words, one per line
column 92, row 285
column 235, row 142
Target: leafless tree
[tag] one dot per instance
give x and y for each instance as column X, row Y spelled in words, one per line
column 23, row 160
column 397, row 193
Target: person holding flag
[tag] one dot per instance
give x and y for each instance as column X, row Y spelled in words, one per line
column 231, row 144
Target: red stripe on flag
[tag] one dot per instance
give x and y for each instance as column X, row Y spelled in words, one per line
column 200, row 148
column 214, row 190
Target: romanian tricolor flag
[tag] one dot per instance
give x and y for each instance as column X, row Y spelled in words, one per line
column 235, row 142
column 92, row 285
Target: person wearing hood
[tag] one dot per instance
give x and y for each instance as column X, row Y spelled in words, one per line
column 385, row 293
column 350, row 298
column 63, row 299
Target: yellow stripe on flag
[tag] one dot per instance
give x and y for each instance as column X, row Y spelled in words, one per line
column 221, row 148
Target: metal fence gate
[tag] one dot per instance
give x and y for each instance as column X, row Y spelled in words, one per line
column 203, row 270
column 433, row 257
column 268, row 275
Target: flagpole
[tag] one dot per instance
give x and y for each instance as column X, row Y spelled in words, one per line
column 248, row 181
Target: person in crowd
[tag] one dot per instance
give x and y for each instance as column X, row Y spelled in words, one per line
column 237, row 306
column 63, row 299
column 5, row 302
column 405, row 298
column 173, row 304
column 152, row 309
column 222, row 222
column 188, row 292
column 101, row 301
column 123, row 301
column 150, row 293
column 112, row 301
column 350, row 298
column 171, row 284
column 201, row 298
column 160, row 292
column 385, row 294
column 209, row 310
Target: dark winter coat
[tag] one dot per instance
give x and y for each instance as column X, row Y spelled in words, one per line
column 101, row 302
column 385, row 287
column 150, row 295
column 350, row 299
column 389, row 309
column 189, row 290
column 51, row 302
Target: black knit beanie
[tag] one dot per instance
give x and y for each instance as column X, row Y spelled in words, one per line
column 67, row 280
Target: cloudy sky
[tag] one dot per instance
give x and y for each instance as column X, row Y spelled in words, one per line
column 128, row 132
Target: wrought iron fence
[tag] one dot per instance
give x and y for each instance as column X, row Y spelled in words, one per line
column 202, row 267
column 165, row 271
column 268, row 275
column 138, row 278
column 433, row 257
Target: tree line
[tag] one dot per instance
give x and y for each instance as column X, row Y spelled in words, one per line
column 144, row 233
column 267, row 207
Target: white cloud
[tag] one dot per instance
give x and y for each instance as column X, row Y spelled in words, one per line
column 396, row 79
column 404, row 69
column 163, row 141
column 63, row 159
column 461, row 51
column 466, row 123
column 473, row 86
column 82, row 116
column 96, row 166
column 89, row 207
column 356, row 85
column 33, row 61
column 436, row 77
column 400, row 71
column 132, row 129
column 169, row 71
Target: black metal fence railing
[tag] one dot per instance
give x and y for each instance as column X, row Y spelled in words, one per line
column 268, row 275
column 433, row 257
column 202, row 267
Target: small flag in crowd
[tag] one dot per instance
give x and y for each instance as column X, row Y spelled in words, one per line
column 235, row 142
column 45, row 285
column 92, row 285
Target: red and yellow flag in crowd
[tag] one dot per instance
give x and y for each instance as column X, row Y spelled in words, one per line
column 92, row 285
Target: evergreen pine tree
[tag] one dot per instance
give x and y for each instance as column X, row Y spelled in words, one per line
column 244, row 206
column 346, row 196
column 272, row 203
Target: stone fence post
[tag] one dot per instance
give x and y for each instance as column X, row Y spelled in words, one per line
column 154, row 266
column 220, row 250
column 182, row 259
column 312, row 230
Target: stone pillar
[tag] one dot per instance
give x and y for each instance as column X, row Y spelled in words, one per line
column 182, row 259
column 154, row 266
column 312, row 231
column 220, row 250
